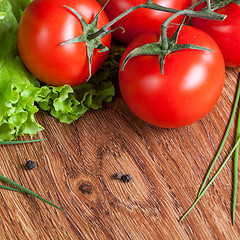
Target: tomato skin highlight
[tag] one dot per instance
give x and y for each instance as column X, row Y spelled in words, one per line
column 46, row 24
column 226, row 33
column 140, row 20
column 189, row 88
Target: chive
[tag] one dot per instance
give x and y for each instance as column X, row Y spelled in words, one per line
column 19, row 142
column 235, row 173
column 223, row 140
column 211, row 181
column 25, row 190
column 9, row 188
column 236, row 149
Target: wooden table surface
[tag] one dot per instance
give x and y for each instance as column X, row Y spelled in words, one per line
column 75, row 168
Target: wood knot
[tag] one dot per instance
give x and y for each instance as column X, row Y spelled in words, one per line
column 86, row 188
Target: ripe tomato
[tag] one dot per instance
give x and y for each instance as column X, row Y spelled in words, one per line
column 226, row 33
column 46, row 24
column 187, row 90
column 140, row 20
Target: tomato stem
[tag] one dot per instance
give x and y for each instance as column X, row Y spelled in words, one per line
column 150, row 5
column 208, row 4
column 164, row 27
column 206, row 13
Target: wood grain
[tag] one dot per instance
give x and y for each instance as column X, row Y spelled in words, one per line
column 75, row 168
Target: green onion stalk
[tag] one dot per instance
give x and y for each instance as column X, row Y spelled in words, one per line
column 235, row 150
column 19, row 188
column 20, row 142
column 235, row 173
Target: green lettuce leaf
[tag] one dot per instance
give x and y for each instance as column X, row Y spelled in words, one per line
column 18, row 7
column 17, row 93
column 68, row 104
column 21, row 95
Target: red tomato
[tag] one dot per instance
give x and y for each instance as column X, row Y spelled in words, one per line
column 189, row 88
column 140, row 20
column 226, row 33
column 46, row 24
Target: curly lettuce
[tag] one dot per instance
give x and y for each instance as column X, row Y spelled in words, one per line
column 21, row 94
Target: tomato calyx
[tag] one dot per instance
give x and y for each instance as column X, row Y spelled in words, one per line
column 161, row 50
column 87, row 36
